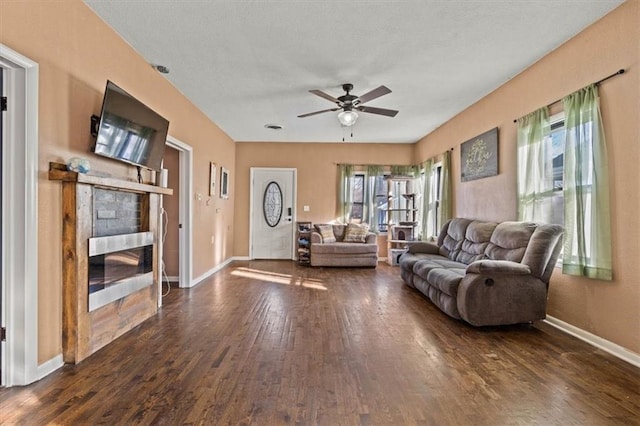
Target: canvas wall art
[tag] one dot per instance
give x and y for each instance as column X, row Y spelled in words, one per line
column 479, row 156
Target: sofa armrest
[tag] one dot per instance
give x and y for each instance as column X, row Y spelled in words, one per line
column 424, row 247
column 371, row 238
column 316, row 238
column 488, row 267
column 501, row 299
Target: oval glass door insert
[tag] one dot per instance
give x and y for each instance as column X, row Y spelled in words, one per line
column 272, row 204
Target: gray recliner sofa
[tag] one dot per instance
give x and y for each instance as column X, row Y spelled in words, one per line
column 486, row 273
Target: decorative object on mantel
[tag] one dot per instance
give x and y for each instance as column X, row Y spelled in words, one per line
column 78, row 165
column 479, row 156
column 224, row 183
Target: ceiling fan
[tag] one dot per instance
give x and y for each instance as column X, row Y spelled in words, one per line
column 350, row 104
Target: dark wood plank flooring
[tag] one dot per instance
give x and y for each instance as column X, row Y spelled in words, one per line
column 270, row 342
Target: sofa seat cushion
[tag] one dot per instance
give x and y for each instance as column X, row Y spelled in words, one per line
column 408, row 260
column 433, row 261
column 440, row 272
column 344, row 248
column 446, row 280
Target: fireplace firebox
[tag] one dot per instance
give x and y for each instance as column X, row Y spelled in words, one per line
column 119, row 265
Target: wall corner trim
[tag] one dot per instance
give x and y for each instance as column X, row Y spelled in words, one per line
column 210, row 272
column 600, row 343
column 50, row 366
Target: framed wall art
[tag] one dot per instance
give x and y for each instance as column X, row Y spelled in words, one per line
column 224, row 183
column 479, row 156
column 212, row 179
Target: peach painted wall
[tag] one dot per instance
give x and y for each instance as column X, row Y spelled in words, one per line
column 77, row 53
column 317, row 175
column 610, row 310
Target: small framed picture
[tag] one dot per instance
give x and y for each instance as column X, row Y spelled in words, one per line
column 224, row 183
column 212, row 179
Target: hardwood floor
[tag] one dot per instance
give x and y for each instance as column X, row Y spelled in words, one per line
column 270, row 342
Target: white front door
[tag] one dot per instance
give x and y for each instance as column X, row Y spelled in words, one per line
column 272, row 212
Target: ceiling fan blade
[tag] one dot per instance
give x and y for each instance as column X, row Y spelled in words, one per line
column 375, row 93
column 379, row 111
column 317, row 112
column 324, row 95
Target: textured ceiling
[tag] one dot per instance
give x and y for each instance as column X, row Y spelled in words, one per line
column 250, row 63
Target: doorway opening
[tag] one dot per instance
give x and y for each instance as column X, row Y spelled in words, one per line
column 19, row 300
column 179, row 216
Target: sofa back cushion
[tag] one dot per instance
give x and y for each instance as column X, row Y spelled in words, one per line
column 451, row 236
column 509, row 241
column 356, row 233
column 326, row 232
column 339, row 230
column 475, row 242
column 543, row 250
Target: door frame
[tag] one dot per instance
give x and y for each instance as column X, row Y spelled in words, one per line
column 294, row 197
column 20, row 241
column 185, row 213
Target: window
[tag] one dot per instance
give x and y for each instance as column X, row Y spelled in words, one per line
column 541, row 168
column 551, row 197
column 357, row 196
column 380, row 203
column 368, row 200
column 569, row 185
column 429, row 216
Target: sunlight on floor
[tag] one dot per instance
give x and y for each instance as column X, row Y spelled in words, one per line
column 21, row 412
column 277, row 278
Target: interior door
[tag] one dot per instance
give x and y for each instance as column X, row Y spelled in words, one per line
column 1, row 216
column 272, row 227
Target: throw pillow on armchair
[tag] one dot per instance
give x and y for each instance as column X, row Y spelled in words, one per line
column 326, row 232
column 356, row 233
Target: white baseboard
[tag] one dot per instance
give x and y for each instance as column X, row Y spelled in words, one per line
column 50, row 366
column 600, row 343
column 210, row 272
column 240, row 258
column 171, row 279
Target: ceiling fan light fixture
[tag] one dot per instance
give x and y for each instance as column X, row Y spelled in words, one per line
column 348, row 118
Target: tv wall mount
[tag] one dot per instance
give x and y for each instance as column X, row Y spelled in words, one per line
column 95, row 125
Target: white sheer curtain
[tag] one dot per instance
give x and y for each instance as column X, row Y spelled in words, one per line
column 370, row 214
column 587, row 242
column 535, row 168
column 428, row 207
column 445, row 208
column 345, row 171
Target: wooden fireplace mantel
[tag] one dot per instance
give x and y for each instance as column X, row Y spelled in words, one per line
column 58, row 171
column 84, row 331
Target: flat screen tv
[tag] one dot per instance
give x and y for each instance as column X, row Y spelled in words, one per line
column 130, row 131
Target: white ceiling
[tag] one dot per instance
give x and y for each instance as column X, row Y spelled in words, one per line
column 250, row 63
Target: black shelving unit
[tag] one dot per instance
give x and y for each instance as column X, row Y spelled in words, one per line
column 303, row 240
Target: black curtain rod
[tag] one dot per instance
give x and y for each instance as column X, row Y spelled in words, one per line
column 620, row 71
